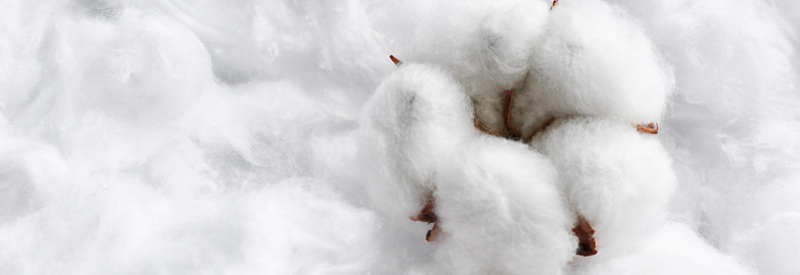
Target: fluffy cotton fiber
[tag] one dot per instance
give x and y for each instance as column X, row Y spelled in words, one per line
column 617, row 178
column 501, row 212
column 592, row 60
column 419, row 117
column 186, row 137
column 671, row 249
column 496, row 201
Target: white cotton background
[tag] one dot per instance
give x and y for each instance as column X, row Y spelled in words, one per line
column 228, row 137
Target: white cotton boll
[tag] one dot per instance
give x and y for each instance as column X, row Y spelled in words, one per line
column 496, row 199
column 672, row 249
column 500, row 212
column 486, row 46
column 489, row 47
column 418, row 117
column 617, row 178
column 593, row 60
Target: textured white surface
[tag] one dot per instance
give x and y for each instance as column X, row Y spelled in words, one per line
column 229, row 137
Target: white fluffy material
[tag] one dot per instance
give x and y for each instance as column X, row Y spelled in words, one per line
column 419, row 117
column 672, row 249
column 593, row 59
column 496, row 200
column 501, row 212
column 485, row 45
column 226, row 137
column 617, row 178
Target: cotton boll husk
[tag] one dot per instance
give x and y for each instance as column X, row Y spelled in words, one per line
column 501, row 212
column 593, row 60
column 617, row 178
column 419, row 116
column 673, row 249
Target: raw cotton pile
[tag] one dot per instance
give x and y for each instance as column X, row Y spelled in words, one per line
column 275, row 137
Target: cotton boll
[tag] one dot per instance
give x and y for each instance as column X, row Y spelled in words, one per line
column 593, row 60
column 501, row 213
column 617, row 178
column 486, row 47
column 672, row 249
column 419, row 116
column 417, row 138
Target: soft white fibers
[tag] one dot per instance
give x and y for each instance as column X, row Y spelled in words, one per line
column 617, row 178
column 581, row 66
column 228, row 137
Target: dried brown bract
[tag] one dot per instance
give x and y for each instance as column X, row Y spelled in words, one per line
column 585, row 233
column 427, row 215
column 650, row 128
column 395, row 60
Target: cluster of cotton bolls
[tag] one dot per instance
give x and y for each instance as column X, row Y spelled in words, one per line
column 274, row 136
